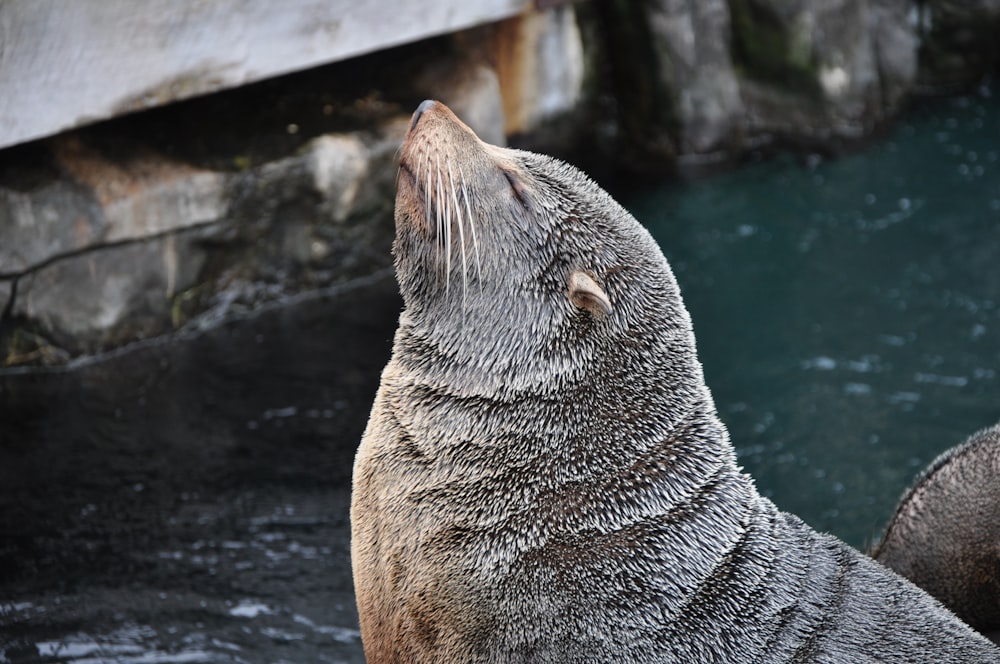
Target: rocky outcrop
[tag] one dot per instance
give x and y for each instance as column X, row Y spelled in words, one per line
column 119, row 248
column 674, row 79
column 841, row 68
column 706, row 81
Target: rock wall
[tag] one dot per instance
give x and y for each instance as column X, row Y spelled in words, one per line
column 702, row 81
column 172, row 219
column 117, row 248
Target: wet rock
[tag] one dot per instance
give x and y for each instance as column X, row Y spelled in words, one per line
column 339, row 165
column 144, row 193
column 822, row 70
column 704, row 81
column 677, row 87
column 896, row 44
column 319, row 216
column 6, row 290
column 41, row 223
column 330, row 169
column 121, row 244
column 694, row 65
column 377, row 193
column 98, row 200
column 110, row 296
column 643, row 108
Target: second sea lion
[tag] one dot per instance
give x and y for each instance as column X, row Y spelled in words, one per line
column 544, row 477
column 945, row 533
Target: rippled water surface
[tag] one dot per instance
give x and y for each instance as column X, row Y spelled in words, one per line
column 848, row 311
column 187, row 502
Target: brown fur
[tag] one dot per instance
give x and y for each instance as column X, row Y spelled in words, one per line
column 544, row 477
column 945, row 534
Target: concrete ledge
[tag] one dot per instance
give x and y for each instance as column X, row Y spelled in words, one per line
column 67, row 64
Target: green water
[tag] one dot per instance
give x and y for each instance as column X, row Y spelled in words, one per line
column 848, row 311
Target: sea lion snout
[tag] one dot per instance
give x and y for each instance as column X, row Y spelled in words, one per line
column 434, row 121
column 424, row 105
column 441, row 165
column 436, row 146
column 431, row 111
column 452, row 193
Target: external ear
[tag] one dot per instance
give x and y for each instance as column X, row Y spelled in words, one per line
column 586, row 294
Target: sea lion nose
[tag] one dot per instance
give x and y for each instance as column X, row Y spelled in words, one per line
column 425, row 105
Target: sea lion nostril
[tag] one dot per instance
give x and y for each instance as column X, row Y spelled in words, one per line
column 424, row 106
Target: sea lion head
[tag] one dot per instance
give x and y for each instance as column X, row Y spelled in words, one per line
column 515, row 267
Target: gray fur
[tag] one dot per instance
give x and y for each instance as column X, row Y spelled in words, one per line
column 538, row 483
column 945, row 534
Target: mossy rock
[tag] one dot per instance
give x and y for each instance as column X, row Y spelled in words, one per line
column 768, row 48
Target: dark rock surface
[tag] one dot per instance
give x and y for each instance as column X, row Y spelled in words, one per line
column 958, row 42
column 277, row 397
column 186, row 499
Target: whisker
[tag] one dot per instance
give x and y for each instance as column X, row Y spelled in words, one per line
column 398, row 158
column 427, row 215
column 461, row 236
column 472, row 228
column 447, row 230
column 420, row 165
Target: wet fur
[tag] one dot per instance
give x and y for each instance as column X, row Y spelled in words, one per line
column 544, row 481
column 945, row 533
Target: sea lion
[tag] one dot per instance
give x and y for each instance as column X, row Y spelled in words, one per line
column 544, row 476
column 945, row 534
